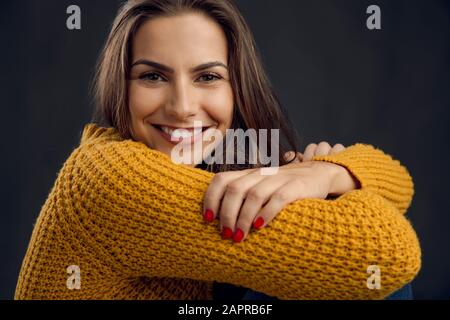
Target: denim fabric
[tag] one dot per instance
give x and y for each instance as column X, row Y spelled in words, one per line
column 255, row 295
column 404, row 293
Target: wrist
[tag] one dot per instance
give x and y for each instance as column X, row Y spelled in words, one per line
column 344, row 181
column 341, row 179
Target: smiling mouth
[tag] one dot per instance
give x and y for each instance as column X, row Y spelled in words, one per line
column 177, row 134
column 170, row 130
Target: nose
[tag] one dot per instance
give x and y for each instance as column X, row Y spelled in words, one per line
column 182, row 104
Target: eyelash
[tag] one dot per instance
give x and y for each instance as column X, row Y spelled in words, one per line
column 146, row 76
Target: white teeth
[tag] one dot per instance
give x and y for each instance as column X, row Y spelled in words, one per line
column 166, row 130
column 181, row 132
column 197, row 130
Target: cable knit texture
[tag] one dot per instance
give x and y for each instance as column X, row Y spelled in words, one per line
column 132, row 221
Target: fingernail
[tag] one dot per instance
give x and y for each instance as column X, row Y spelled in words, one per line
column 239, row 234
column 227, row 233
column 208, row 215
column 258, row 223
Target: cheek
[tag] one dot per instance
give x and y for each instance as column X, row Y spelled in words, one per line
column 142, row 102
column 220, row 106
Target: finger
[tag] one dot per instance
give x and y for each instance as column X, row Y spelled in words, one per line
column 232, row 201
column 337, row 148
column 283, row 196
column 256, row 197
column 309, row 152
column 323, row 149
column 215, row 192
column 288, row 156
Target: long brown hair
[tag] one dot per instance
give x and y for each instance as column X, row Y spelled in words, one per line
column 256, row 105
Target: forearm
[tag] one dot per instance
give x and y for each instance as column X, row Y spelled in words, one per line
column 145, row 212
column 374, row 171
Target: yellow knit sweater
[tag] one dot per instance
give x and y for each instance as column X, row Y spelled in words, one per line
column 132, row 221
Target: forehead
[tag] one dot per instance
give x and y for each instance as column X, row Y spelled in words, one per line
column 188, row 37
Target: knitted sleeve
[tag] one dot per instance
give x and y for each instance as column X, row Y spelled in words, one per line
column 143, row 212
column 376, row 172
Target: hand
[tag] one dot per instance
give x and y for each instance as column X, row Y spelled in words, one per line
column 244, row 198
column 344, row 180
column 313, row 150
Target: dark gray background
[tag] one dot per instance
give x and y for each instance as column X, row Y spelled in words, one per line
column 340, row 82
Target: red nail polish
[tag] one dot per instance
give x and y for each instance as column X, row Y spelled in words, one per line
column 208, row 215
column 239, row 234
column 258, row 223
column 227, row 233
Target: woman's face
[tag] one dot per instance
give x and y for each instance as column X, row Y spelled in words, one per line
column 179, row 75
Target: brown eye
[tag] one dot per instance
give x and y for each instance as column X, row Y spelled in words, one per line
column 209, row 77
column 152, row 77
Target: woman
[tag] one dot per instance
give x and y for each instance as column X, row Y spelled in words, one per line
column 127, row 220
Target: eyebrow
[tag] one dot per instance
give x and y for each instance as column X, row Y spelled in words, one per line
column 162, row 67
